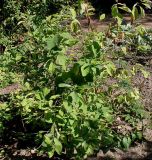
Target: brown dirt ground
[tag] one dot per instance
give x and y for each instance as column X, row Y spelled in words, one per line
column 100, row 26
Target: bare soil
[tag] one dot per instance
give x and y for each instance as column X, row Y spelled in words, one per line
column 103, row 25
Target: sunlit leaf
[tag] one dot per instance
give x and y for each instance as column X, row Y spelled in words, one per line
column 58, row 146
column 102, row 17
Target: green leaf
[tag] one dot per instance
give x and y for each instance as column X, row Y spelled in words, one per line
column 142, row 12
column 125, row 8
column 75, row 25
column 83, row 7
column 50, row 153
column 62, row 85
column 95, row 48
column 134, row 12
column 46, row 91
column 124, row 50
column 75, row 97
column 27, row 85
column 47, row 140
column 110, row 68
column 52, row 42
column 89, row 150
column 119, row 20
column 18, row 57
column 61, row 60
column 55, row 96
column 115, row 11
column 85, row 69
column 73, row 12
column 24, row 102
column 66, row 35
column 126, row 142
column 84, row 108
column 51, row 68
column 50, row 103
column 57, row 145
column 147, row 4
column 102, row 17
column 133, row 136
column 48, row 117
column 67, row 107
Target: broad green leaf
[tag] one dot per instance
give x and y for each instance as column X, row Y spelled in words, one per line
column 46, row 91
column 38, row 96
column 52, row 42
column 66, row 35
column 55, row 96
column 147, row 4
column 85, row 69
column 73, row 12
column 110, row 68
column 107, row 113
column 61, row 113
column 50, row 153
column 75, row 25
column 102, row 17
column 67, row 106
column 125, row 8
column 27, row 85
column 74, row 115
column 62, row 85
column 51, row 68
column 126, row 142
column 114, row 10
column 83, row 7
column 135, row 13
column 89, row 150
column 24, row 102
column 142, row 12
column 61, row 60
column 124, row 50
column 84, row 108
column 47, row 140
column 3, row 106
column 71, row 121
column 75, row 97
column 51, row 103
column 119, row 20
column 95, row 48
column 57, row 145
column 53, row 128
column 133, row 136
column 18, row 57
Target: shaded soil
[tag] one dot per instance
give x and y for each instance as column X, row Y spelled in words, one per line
column 139, row 152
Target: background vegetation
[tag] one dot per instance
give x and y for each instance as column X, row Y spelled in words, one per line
column 64, row 89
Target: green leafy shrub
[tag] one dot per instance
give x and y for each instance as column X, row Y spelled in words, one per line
column 74, row 87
